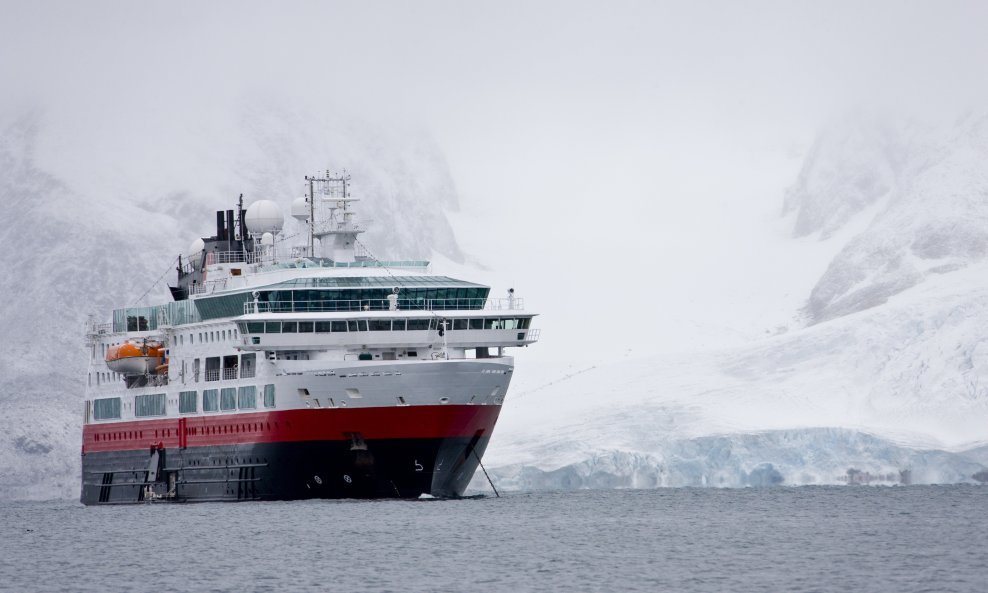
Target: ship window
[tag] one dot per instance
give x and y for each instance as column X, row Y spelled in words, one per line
column 289, row 327
column 213, row 368
column 247, row 364
column 324, row 326
column 149, row 405
column 228, row 398
column 305, row 327
column 187, row 403
column 380, row 325
column 247, row 397
column 105, row 409
column 273, row 327
column 269, row 396
column 338, row 326
column 418, row 324
column 460, row 324
column 492, row 324
column 255, row 327
column 398, row 325
column 476, row 324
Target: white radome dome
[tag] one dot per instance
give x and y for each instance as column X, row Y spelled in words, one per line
column 194, row 252
column 300, row 209
column 267, row 239
column 264, row 216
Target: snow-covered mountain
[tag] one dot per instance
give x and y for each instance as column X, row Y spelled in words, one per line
column 884, row 379
column 83, row 235
column 890, row 364
column 921, row 194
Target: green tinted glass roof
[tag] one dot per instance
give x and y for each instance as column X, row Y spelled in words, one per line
column 373, row 282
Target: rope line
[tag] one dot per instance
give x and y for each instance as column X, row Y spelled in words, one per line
column 155, row 283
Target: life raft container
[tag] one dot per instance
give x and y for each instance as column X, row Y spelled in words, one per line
column 135, row 359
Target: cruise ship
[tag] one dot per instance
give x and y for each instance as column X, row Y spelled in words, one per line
column 297, row 365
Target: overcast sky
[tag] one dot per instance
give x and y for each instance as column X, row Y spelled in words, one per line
column 641, row 141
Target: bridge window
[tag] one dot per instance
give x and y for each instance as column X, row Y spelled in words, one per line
column 269, row 396
column 305, row 327
column 380, row 325
column 476, row 324
column 460, row 324
column 418, row 324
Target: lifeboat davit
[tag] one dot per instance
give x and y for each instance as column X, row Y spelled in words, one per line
column 135, row 359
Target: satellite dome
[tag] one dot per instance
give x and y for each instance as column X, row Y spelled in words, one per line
column 264, row 216
column 300, row 209
column 194, row 252
column 267, row 239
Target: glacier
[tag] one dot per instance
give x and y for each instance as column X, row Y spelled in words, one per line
column 881, row 372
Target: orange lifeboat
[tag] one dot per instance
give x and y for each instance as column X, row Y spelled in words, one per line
column 135, row 359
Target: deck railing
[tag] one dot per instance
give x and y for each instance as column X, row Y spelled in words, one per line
column 513, row 304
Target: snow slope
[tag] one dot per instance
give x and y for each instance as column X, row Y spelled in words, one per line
column 890, row 366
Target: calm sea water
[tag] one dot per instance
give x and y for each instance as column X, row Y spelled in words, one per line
column 918, row 538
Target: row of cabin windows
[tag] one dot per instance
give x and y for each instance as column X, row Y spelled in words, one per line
column 104, row 377
column 230, row 398
column 210, row 336
column 356, row 325
column 226, row 367
column 213, row 400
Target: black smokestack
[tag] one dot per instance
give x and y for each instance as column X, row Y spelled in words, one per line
column 220, row 233
column 229, row 230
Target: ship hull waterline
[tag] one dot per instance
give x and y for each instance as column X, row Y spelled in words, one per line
column 380, row 461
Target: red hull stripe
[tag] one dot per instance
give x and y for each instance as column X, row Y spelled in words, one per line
column 314, row 424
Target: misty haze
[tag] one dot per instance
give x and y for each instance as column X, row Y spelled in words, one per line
column 746, row 244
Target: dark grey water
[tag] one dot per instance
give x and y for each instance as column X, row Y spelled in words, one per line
column 922, row 538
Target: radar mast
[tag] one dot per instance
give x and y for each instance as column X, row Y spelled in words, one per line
column 331, row 217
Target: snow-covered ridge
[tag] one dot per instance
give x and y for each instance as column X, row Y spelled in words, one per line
column 925, row 190
column 890, row 375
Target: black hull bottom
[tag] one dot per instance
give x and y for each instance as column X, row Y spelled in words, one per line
column 399, row 468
